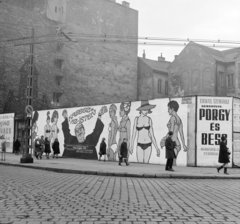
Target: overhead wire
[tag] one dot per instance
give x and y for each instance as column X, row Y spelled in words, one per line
column 106, row 38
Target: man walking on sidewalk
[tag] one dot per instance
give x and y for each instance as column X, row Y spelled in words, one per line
column 170, row 154
column 123, row 154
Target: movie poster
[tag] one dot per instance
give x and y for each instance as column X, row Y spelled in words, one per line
column 236, row 132
column 214, row 119
column 144, row 125
column 7, row 130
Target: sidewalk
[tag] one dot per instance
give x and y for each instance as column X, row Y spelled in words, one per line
column 92, row 167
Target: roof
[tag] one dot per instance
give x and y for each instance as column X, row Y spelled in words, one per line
column 223, row 56
column 160, row 66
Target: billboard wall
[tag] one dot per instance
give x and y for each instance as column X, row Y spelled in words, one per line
column 214, row 119
column 236, row 131
column 144, row 123
column 7, row 130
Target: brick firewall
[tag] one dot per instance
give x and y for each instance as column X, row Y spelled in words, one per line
column 92, row 72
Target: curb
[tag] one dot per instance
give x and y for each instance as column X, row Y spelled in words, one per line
column 157, row 176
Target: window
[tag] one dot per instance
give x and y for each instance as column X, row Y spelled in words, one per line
column 59, row 46
column 55, row 9
column 230, row 80
column 58, row 80
column 57, row 97
column 221, row 78
column 159, row 85
column 58, row 63
column 166, row 87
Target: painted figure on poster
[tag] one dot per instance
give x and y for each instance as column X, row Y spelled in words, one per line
column 143, row 128
column 176, row 126
column 65, row 126
column 34, row 125
column 113, row 128
column 125, row 125
column 54, row 128
column 80, row 147
column 47, row 127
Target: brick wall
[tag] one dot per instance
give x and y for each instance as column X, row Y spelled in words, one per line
column 145, row 81
column 192, row 73
column 92, row 71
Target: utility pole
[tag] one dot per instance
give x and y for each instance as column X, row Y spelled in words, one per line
column 27, row 157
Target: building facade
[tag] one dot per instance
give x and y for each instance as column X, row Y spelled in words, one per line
column 80, row 54
column 152, row 78
column 200, row 70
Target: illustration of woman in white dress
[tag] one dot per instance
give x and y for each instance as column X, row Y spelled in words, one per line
column 47, row 128
column 34, row 125
column 125, row 125
column 54, row 128
column 143, row 128
column 113, row 128
column 176, row 126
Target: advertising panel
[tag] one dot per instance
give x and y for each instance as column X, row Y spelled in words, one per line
column 236, row 115
column 214, row 119
column 236, row 132
column 144, row 124
column 7, row 130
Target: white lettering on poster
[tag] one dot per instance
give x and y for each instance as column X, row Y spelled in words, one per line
column 214, row 120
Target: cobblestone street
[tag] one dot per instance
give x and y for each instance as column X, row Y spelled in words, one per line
column 29, row 196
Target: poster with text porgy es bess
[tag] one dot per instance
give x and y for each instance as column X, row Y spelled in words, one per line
column 214, row 120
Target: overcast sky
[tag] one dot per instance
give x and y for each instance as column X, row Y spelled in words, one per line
column 193, row 19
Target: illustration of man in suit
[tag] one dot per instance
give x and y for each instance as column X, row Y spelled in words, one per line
column 78, row 146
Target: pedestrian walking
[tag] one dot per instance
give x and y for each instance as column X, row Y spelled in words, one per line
column 170, row 154
column 102, row 151
column 223, row 155
column 123, row 154
column 56, row 149
column 17, row 146
column 47, row 149
column 37, row 151
column 42, row 146
column 3, row 145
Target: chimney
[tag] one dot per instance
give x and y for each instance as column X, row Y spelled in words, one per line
column 161, row 58
column 126, row 4
column 144, row 55
column 175, row 57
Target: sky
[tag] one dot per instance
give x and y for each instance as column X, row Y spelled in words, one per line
column 193, row 19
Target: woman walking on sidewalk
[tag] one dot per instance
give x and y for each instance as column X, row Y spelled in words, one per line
column 102, row 151
column 47, row 147
column 56, row 149
column 223, row 155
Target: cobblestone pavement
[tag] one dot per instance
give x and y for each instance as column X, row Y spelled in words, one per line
column 29, row 196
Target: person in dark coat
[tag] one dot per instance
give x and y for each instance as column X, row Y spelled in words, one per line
column 41, row 147
column 102, row 151
column 37, row 150
column 17, row 146
column 170, row 154
column 47, row 149
column 223, row 155
column 56, row 149
column 123, row 154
